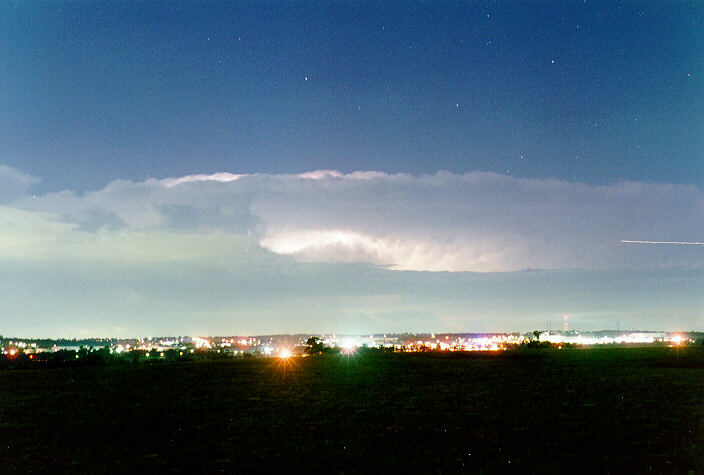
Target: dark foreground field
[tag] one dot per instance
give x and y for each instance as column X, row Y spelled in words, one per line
column 617, row 410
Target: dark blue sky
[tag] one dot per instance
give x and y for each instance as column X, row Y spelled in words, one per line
column 596, row 92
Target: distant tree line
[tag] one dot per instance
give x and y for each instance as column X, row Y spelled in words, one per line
column 49, row 342
column 103, row 356
column 315, row 346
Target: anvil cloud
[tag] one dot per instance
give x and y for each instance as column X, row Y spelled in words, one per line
column 477, row 222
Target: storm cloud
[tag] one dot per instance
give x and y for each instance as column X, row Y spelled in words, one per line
column 476, row 222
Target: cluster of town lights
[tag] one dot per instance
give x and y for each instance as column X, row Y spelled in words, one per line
column 350, row 345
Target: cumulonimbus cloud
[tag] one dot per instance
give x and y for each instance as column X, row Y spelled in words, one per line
column 480, row 222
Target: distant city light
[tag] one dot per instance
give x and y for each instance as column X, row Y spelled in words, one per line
column 283, row 348
column 202, row 342
column 348, row 345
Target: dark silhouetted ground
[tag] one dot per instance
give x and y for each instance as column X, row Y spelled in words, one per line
column 619, row 410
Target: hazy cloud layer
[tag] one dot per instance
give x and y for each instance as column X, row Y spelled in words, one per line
column 480, row 222
column 238, row 254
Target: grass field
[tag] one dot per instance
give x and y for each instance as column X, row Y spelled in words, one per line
column 623, row 410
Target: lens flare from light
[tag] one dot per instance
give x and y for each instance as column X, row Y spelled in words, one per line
column 348, row 346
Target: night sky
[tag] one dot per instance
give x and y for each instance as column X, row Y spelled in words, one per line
column 161, row 166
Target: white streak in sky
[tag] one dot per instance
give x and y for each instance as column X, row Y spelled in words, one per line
column 679, row 243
